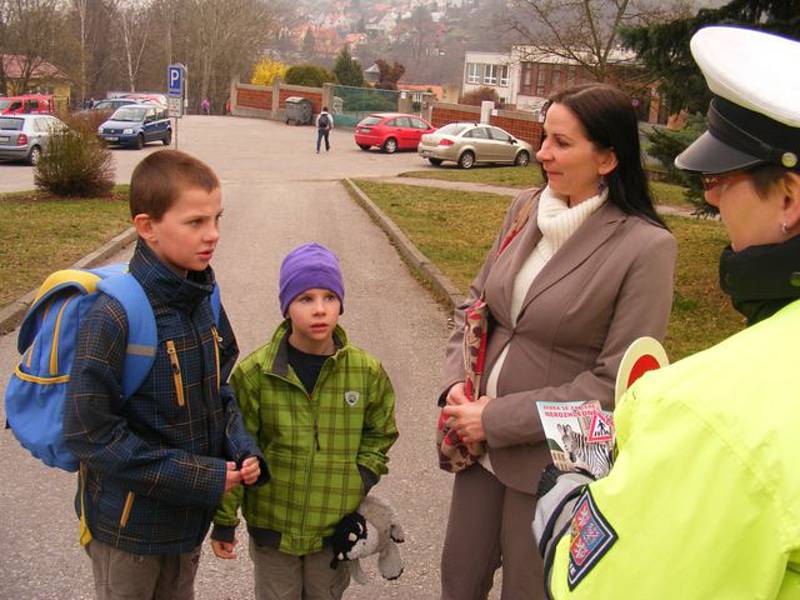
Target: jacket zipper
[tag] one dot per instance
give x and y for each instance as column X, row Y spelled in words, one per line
column 310, row 469
column 316, row 447
column 203, row 390
column 126, row 510
column 217, row 342
column 176, row 371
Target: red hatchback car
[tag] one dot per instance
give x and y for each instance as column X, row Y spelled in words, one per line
column 391, row 131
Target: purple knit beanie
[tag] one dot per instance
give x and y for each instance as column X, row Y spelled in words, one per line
column 306, row 267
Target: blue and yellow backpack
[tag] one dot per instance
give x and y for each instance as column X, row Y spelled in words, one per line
column 36, row 393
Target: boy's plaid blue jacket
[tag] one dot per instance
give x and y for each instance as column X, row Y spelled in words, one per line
column 155, row 464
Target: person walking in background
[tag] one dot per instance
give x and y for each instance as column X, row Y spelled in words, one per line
column 205, row 107
column 568, row 289
column 323, row 412
column 704, row 498
column 324, row 126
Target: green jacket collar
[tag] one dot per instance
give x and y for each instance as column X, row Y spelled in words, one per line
column 277, row 359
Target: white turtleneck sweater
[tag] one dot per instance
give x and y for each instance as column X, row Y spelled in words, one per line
column 557, row 222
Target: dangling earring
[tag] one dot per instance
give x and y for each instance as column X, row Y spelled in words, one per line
column 785, row 228
column 602, row 184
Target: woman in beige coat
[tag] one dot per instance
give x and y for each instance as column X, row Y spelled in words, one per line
column 591, row 271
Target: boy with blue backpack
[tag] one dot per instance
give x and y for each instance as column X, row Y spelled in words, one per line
column 155, row 462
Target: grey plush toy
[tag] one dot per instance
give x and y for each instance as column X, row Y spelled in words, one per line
column 383, row 533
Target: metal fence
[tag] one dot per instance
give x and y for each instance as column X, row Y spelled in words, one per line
column 351, row 104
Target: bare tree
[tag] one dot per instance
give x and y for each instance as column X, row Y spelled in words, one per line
column 93, row 21
column 135, row 19
column 29, row 30
column 583, row 32
column 226, row 37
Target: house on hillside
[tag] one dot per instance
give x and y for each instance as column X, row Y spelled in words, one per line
column 525, row 78
column 43, row 78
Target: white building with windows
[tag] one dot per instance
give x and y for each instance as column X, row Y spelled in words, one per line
column 491, row 69
column 525, row 78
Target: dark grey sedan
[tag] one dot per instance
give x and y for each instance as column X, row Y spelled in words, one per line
column 25, row 137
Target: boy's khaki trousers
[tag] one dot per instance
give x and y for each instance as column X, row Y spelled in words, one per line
column 120, row 575
column 282, row 576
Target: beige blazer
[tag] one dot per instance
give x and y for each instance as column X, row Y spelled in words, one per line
column 610, row 283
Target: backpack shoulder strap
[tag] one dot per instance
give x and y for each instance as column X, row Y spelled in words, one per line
column 140, row 353
column 216, row 303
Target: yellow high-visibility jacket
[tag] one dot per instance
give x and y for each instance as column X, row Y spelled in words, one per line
column 703, row 501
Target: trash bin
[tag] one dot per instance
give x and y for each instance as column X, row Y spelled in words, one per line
column 299, row 110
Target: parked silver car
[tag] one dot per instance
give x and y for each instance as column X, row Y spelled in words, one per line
column 25, row 137
column 470, row 143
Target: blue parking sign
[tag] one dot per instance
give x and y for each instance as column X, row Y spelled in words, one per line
column 175, row 74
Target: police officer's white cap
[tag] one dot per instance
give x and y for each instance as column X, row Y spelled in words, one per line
column 754, row 117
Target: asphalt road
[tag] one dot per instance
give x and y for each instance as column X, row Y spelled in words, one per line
column 277, row 193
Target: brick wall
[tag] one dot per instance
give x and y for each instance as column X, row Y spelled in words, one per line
column 452, row 113
column 520, row 124
column 315, row 97
column 251, row 98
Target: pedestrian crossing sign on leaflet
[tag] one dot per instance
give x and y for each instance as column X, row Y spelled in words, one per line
column 601, row 429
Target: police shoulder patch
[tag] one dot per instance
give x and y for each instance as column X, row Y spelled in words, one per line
column 592, row 536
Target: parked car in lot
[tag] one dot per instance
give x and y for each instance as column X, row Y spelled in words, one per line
column 391, row 131
column 34, row 104
column 135, row 125
column 146, row 98
column 26, row 137
column 112, row 104
column 470, row 143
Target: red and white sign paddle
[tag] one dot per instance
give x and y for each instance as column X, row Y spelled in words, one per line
column 643, row 355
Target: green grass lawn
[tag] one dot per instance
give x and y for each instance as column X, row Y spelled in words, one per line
column 518, row 177
column 40, row 233
column 439, row 223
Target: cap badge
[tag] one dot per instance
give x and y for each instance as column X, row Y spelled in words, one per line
column 789, row 160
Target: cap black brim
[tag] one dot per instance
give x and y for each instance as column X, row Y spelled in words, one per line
column 709, row 155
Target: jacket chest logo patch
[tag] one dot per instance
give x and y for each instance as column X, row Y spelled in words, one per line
column 592, row 536
column 352, row 398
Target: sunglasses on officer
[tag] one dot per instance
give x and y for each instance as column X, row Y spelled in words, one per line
column 712, row 181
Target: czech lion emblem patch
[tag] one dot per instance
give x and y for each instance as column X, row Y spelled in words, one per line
column 592, row 536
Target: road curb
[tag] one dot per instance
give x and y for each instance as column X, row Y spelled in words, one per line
column 441, row 285
column 12, row 314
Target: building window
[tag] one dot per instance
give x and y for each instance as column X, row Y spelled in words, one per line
column 473, row 73
column 503, row 69
column 529, row 75
column 490, row 75
column 555, row 79
column 540, row 81
column 572, row 74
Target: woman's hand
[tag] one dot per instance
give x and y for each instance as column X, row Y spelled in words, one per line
column 456, row 395
column 467, row 417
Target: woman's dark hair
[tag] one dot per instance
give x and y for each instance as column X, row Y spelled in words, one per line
column 608, row 117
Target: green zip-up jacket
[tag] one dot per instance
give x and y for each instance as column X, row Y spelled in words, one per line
column 324, row 450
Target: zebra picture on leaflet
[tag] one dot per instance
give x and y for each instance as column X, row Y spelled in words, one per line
column 580, row 435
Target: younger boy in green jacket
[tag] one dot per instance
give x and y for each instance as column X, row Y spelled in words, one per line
column 322, row 412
